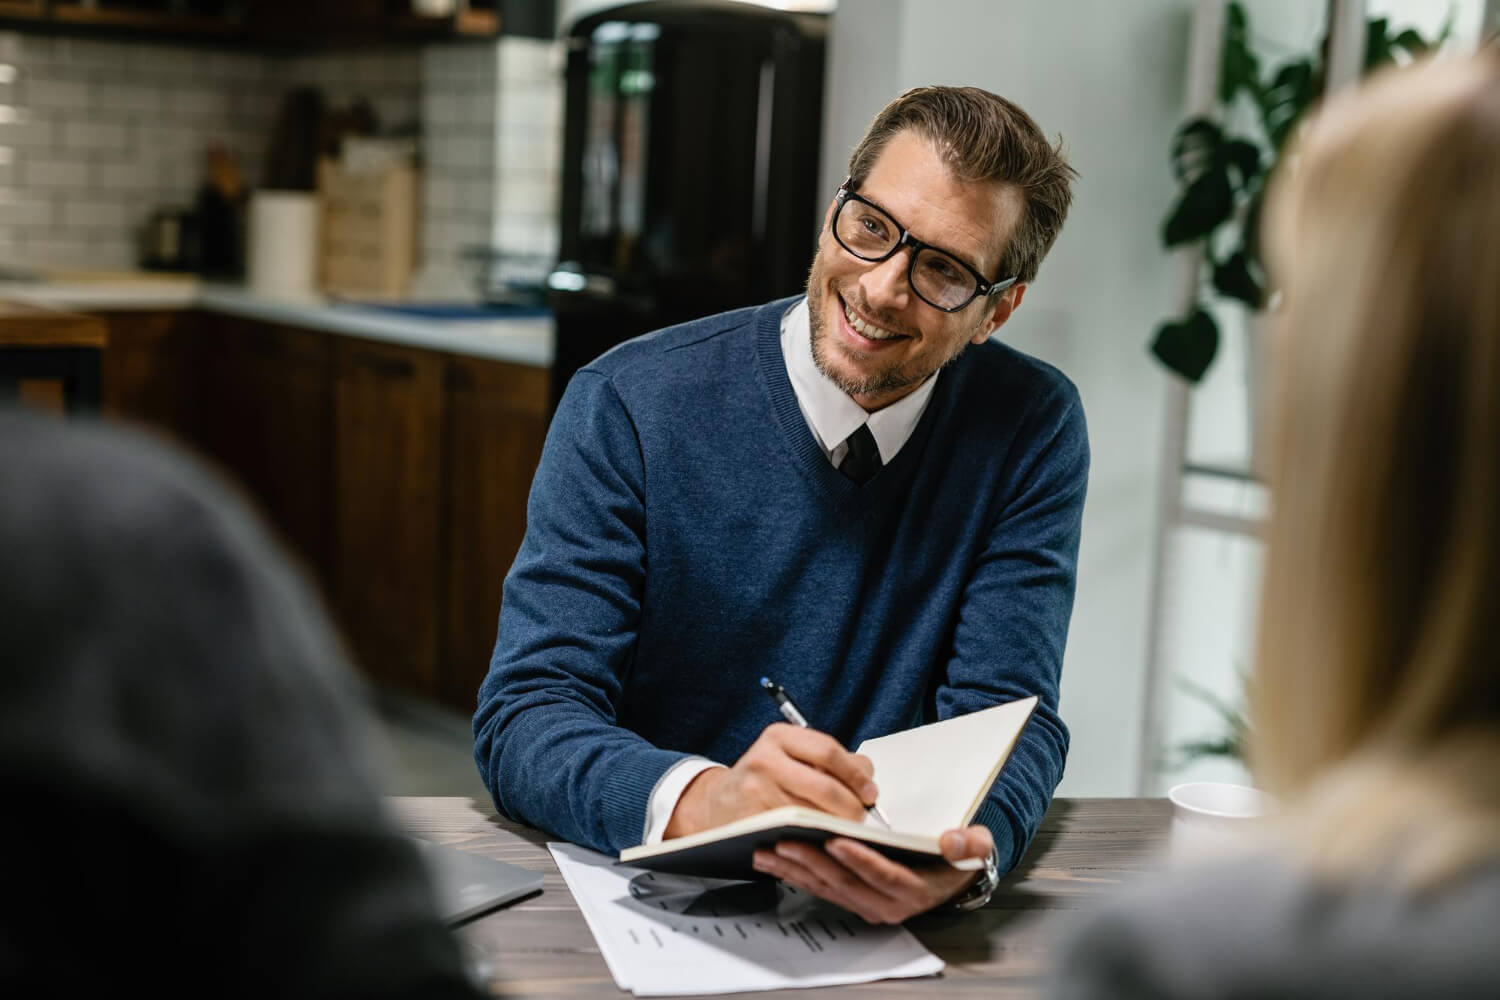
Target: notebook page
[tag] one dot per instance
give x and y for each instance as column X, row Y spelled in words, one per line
column 933, row 777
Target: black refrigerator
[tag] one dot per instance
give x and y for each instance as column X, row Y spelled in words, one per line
column 690, row 168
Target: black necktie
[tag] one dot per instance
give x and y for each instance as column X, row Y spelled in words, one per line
column 863, row 458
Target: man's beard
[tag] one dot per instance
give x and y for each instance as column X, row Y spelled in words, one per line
column 891, row 379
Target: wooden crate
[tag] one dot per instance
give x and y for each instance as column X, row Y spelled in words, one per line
column 369, row 230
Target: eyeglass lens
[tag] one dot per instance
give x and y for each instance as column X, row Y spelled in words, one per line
column 869, row 233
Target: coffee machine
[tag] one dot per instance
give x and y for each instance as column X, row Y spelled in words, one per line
column 690, row 168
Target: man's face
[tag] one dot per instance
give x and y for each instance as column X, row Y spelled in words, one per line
column 871, row 334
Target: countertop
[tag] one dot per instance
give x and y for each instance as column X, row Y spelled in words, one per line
column 526, row 341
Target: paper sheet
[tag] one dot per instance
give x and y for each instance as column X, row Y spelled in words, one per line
column 670, row 935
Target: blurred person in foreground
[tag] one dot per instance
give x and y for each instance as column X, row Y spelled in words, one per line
column 1375, row 704
column 182, row 757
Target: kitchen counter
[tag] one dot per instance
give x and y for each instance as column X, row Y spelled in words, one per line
column 524, row 340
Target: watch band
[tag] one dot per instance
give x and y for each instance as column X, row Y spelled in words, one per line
column 981, row 889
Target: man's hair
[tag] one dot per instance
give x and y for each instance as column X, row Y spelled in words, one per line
column 983, row 137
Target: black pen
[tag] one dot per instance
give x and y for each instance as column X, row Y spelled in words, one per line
column 792, row 714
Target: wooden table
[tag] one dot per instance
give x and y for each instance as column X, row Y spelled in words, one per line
column 1085, row 849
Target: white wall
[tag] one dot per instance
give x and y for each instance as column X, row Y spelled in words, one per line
column 1109, row 78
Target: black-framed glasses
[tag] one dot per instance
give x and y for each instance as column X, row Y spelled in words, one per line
column 940, row 279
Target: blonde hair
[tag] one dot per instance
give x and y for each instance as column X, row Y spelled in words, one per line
column 1375, row 699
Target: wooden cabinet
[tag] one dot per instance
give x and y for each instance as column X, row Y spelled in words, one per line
column 434, row 456
column 496, row 422
column 388, row 411
column 267, row 416
column 398, row 476
column 150, row 373
column 50, row 359
column 252, row 398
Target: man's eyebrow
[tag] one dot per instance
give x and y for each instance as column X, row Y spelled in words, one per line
column 961, row 258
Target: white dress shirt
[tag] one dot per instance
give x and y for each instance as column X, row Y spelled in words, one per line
column 831, row 415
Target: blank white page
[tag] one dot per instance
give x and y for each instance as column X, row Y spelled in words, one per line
column 933, row 778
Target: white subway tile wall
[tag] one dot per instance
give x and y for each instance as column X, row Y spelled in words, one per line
column 529, row 134
column 492, row 121
column 459, row 84
column 99, row 133
column 95, row 135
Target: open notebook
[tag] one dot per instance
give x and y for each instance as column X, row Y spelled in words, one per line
column 932, row 779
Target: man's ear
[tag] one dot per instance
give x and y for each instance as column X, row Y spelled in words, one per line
column 1009, row 302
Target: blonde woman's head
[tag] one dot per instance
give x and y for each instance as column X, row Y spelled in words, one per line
column 1380, row 624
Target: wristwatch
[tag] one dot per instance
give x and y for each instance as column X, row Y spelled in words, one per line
column 981, row 889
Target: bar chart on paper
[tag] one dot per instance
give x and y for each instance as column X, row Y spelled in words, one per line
column 664, row 934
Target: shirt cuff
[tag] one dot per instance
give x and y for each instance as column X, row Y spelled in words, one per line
column 666, row 793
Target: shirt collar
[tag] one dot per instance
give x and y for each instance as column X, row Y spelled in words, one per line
column 830, row 412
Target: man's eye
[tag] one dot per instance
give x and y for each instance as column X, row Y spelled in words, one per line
column 873, row 225
column 942, row 268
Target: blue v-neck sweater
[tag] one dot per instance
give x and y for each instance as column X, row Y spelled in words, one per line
column 687, row 535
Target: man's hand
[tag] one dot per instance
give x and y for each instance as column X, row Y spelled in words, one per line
column 786, row 766
column 868, row 883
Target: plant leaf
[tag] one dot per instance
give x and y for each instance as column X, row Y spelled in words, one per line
column 1413, row 43
column 1377, row 44
column 1231, row 715
column 1242, row 156
column 1240, row 69
column 1207, row 202
column 1231, row 744
column 1187, row 346
column 1194, row 147
column 1196, row 749
column 1232, row 278
column 1287, row 98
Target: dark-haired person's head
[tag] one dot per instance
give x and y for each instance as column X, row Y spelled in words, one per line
column 184, row 756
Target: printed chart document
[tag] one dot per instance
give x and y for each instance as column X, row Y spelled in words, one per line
column 672, row 935
column 932, row 779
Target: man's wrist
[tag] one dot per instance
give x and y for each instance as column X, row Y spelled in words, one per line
column 979, row 891
column 667, row 793
column 689, row 814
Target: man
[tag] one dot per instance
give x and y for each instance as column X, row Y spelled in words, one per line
column 856, row 493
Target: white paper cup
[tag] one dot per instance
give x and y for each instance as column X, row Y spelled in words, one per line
column 1214, row 818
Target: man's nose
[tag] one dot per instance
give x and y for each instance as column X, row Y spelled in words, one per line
column 885, row 283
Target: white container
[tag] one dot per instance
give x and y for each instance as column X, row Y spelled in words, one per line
column 1214, row 818
column 283, row 255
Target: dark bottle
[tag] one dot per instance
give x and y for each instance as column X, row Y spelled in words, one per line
column 221, row 217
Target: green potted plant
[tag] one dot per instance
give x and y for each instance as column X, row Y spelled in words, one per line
column 1222, row 175
column 1229, row 743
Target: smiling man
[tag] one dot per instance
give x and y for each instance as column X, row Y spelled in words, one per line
column 857, row 493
